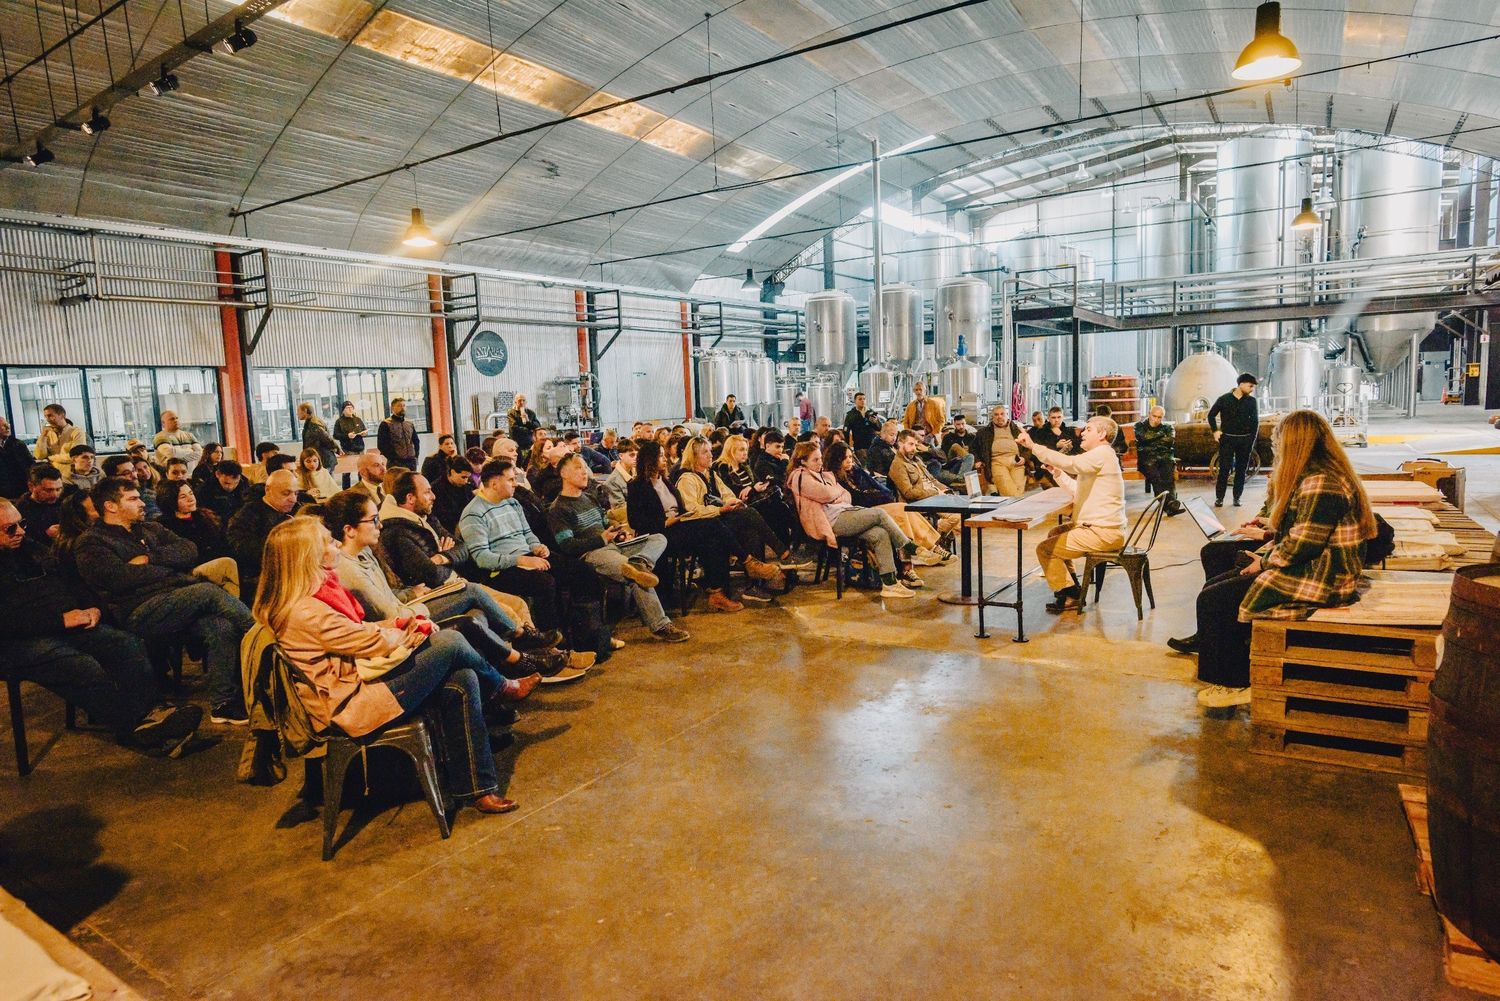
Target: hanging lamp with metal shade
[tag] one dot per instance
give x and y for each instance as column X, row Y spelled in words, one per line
column 1308, row 218
column 417, row 234
column 750, row 284
column 1270, row 54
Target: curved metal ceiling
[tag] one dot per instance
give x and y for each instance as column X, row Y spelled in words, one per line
column 340, row 88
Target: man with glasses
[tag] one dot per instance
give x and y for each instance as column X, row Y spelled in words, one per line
column 143, row 571
column 15, row 463
column 63, row 644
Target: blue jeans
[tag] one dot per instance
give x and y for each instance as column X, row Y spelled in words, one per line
column 473, row 598
column 207, row 612
column 104, row 670
column 447, row 674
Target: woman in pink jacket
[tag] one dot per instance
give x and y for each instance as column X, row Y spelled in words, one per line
column 320, row 628
column 826, row 512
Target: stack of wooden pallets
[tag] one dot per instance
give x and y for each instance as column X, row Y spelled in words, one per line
column 1465, row 964
column 1342, row 693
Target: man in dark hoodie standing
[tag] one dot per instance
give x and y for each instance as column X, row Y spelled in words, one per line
column 1235, row 421
column 397, row 438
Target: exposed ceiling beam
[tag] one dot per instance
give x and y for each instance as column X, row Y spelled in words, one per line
column 1124, row 153
column 1020, row 155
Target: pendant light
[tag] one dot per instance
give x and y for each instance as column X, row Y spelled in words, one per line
column 750, row 284
column 1270, row 54
column 1082, row 174
column 1308, row 219
column 417, row 234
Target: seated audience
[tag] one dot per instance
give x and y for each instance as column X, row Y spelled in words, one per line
column 1323, row 519
column 174, row 441
column 608, row 447
column 653, row 507
column 1156, row 458
column 865, row 491
column 82, row 474
column 312, row 478
column 469, row 609
column 372, row 470
column 1098, row 521
column 882, row 451
column 581, row 529
column 177, row 471
column 828, row 514
column 249, row 527
column 227, row 492
column 182, row 515
column 1002, row 467
column 143, row 572
column 959, row 436
column 63, row 643
column 121, row 466
column 1058, row 436
column 452, row 493
column 912, row 480
column 436, row 465
column 15, row 463
column 771, row 466
column 41, row 505
column 203, row 471
column 322, row 630
column 256, row 472
column 700, row 495
column 541, row 472
column 618, row 482
column 503, row 546
column 764, row 495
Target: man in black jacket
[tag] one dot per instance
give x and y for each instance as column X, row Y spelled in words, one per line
column 142, row 570
column 770, row 465
column 63, row 644
column 250, row 525
column 15, row 463
column 729, row 414
column 453, row 493
column 397, row 438
column 1235, row 421
column 42, row 505
column 227, row 492
column 862, row 424
column 882, row 451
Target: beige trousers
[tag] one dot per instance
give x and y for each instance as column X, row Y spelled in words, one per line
column 514, row 606
column 915, row 527
column 224, row 572
column 1066, row 543
column 1007, row 479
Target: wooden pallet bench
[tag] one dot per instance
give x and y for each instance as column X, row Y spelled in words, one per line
column 1478, row 542
column 1344, row 694
column 1465, row 964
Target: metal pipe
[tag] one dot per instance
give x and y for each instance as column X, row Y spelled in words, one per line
column 876, row 264
column 1414, row 366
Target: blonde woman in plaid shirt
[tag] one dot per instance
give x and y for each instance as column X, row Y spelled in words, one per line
column 1322, row 518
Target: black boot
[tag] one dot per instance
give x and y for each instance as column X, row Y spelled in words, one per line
column 1069, row 599
column 1187, row 645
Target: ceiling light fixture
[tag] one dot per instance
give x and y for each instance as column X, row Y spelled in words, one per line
column 750, row 284
column 164, row 84
column 1082, row 174
column 417, row 234
column 96, row 124
column 242, row 39
column 41, row 156
column 1308, row 218
column 1270, row 54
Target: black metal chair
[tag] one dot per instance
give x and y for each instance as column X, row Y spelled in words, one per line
column 1132, row 557
column 839, row 561
column 413, row 737
column 18, row 722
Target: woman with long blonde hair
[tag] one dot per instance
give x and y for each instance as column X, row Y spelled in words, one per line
column 1322, row 518
column 321, row 629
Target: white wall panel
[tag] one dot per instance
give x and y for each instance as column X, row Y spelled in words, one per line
column 540, row 347
column 36, row 330
column 641, row 377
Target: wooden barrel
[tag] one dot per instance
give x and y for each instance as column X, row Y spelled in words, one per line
column 1463, row 759
column 1119, row 393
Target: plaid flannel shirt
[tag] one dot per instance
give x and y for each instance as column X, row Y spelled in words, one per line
column 1316, row 559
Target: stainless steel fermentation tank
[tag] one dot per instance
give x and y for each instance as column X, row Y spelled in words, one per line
column 831, row 332
column 1172, row 241
column 715, row 381
column 1261, row 182
column 1294, row 379
column 961, row 321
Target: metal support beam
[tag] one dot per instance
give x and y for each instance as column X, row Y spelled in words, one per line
column 1077, row 394
column 1414, row 371
column 877, row 261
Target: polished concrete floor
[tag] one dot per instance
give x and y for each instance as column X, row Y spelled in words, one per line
column 821, row 800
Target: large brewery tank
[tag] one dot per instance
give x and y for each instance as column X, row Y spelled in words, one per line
column 742, row 366
column 764, row 379
column 1195, row 383
column 928, row 258
column 1262, row 180
column 1294, row 376
column 786, row 398
column 831, row 343
column 828, row 397
column 963, row 384
column 1033, row 258
column 878, row 383
column 1389, row 203
column 961, row 319
column 1172, row 240
column 1344, row 383
column 715, row 381
column 899, row 343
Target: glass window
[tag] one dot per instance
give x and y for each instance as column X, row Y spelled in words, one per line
column 362, row 387
column 271, row 412
column 410, row 384
column 122, row 406
column 319, row 387
column 193, row 395
column 31, row 389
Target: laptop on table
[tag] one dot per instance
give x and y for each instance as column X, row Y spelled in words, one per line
column 1208, row 523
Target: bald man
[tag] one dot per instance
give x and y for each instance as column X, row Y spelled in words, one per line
column 174, row 441
column 252, row 523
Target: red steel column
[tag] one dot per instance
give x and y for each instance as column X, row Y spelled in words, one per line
column 439, row 408
column 687, row 360
column 233, row 379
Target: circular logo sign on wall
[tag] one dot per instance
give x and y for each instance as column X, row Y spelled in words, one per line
column 488, row 353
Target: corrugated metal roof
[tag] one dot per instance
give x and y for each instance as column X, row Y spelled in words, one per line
column 308, row 106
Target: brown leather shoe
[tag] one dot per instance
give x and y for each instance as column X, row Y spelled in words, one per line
column 718, row 601
column 495, row 803
column 523, row 688
column 761, row 570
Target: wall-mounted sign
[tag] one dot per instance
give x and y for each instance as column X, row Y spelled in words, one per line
column 488, row 352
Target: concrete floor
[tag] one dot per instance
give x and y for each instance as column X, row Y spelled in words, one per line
column 824, row 800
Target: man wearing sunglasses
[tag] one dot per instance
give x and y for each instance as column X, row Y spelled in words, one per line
column 64, row 645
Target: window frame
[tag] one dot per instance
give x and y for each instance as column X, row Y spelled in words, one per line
column 86, row 419
column 343, row 394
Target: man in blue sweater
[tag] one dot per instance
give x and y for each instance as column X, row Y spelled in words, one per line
column 502, row 545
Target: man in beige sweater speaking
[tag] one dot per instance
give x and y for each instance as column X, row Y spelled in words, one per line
column 1093, row 477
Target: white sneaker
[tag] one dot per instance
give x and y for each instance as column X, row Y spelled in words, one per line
column 1220, row 697
column 927, row 558
column 897, row 590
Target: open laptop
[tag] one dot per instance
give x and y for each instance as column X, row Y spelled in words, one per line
column 1208, row 523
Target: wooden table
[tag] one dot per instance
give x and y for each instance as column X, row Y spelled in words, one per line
column 1024, row 513
column 964, row 506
